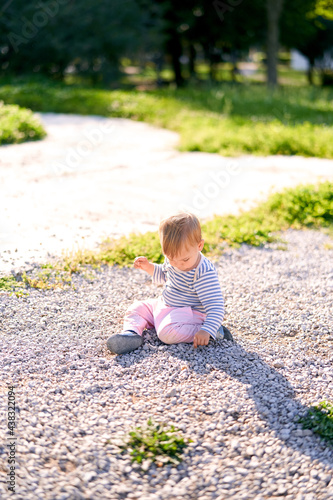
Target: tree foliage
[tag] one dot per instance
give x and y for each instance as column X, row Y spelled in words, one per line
column 87, row 37
column 91, row 38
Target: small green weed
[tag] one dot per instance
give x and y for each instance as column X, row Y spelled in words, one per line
column 319, row 419
column 7, row 283
column 46, row 280
column 284, row 248
column 155, row 442
column 12, row 285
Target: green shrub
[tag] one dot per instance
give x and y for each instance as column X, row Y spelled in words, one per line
column 303, row 206
column 18, row 125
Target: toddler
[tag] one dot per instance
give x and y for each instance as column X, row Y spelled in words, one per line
column 191, row 307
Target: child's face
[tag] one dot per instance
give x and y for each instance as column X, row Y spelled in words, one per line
column 187, row 258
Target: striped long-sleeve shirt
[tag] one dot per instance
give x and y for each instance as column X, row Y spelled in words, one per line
column 199, row 288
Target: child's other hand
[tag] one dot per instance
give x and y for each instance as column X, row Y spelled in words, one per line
column 201, row 338
column 141, row 263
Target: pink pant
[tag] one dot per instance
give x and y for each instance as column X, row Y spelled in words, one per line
column 173, row 324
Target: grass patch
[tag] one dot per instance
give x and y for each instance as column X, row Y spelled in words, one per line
column 306, row 206
column 225, row 119
column 319, row 419
column 154, row 443
column 7, row 282
column 48, row 279
column 12, row 285
column 18, row 125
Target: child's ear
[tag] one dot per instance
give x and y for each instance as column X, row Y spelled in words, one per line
column 201, row 245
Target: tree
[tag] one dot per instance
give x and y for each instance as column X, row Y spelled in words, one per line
column 88, row 37
column 319, row 38
column 306, row 25
column 178, row 21
column 274, row 10
column 226, row 29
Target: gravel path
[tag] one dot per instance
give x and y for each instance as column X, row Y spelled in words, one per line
column 93, row 177
column 237, row 402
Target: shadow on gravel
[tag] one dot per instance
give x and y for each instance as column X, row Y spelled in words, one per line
column 274, row 397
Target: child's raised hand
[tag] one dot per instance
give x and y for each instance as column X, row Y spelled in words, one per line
column 141, row 263
column 144, row 264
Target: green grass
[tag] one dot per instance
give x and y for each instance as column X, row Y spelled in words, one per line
column 226, row 119
column 8, row 282
column 155, row 443
column 18, row 125
column 13, row 286
column 319, row 419
column 306, row 206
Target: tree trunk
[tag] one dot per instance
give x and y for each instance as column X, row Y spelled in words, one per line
column 274, row 9
column 310, row 70
column 175, row 49
column 191, row 65
column 212, row 71
column 159, row 59
column 309, row 74
column 209, row 58
column 234, row 69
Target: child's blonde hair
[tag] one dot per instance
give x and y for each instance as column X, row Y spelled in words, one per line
column 178, row 232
